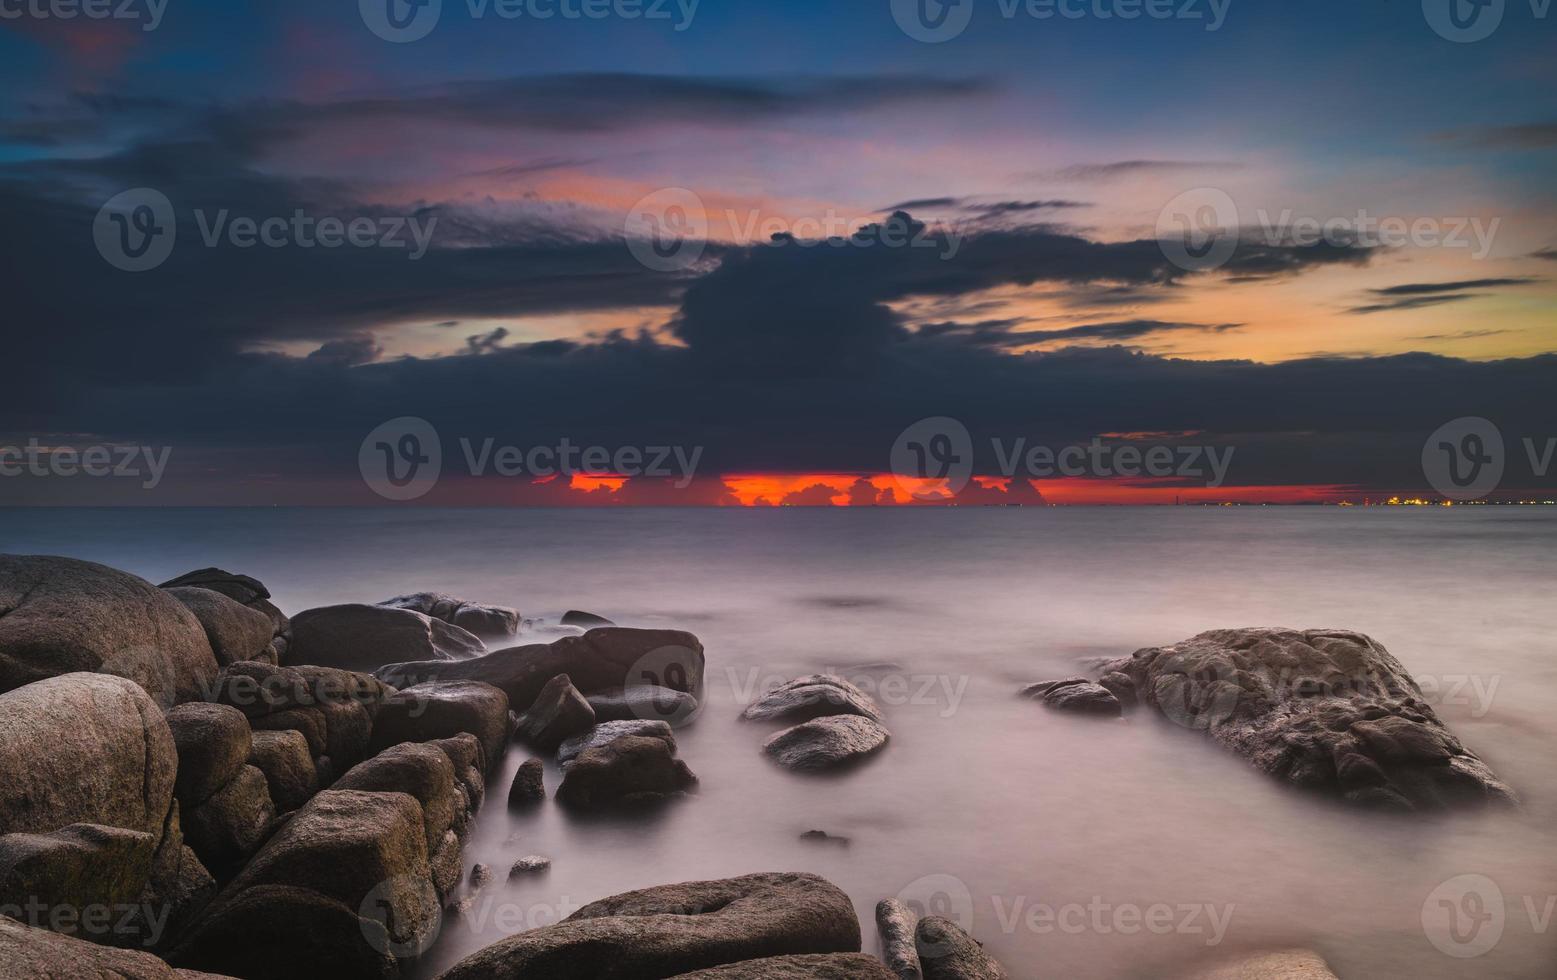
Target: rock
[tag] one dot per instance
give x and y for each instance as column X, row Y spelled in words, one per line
column 609, row 732
column 348, row 731
column 599, row 660
column 422, row 771
column 362, row 637
column 534, row 864
column 288, row 767
column 810, row 966
column 213, row 743
column 480, row 876
column 466, row 755
column 27, row 953
column 948, row 953
column 84, row 748
column 1083, row 698
column 826, row 742
column 626, row 771
column 1036, row 691
column 644, row 703
column 486, row 622
column 341, row 889
column 240, row 588
column 674, row 929
column 434, row 711
column 62, row 615
column 823, row 837
column 446, row 864
column 257, row 688
column 529, row 786
column 812, row 696
column 584, row 620
column 76, row 867
column 1327, row 710
column 559, row 712
column 231, row 825
column 308, row 722
column 896, row 923
column 1120, row 686
column 234, row 631
column 176, row 895
column 1289, row 964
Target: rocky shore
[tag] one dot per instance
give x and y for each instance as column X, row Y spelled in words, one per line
column 193, row 783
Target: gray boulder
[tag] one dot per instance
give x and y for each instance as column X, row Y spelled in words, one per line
column 288, row 767
column 948, row 953
column 610, row 731
column 213, row 743
column 825, row 743
column 559, row 712
column 234, row 631
column 676, row 929
column 484, row 621
column 809, row 966
column 599, row 660
column 812, row 696
column 63, row 616
column 896, row 924
column 644, row 703
column 1327, row 710
column 435, row 711
column 627, row 771
column 362, row 637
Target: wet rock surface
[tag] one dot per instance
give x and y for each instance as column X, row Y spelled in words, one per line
column 644, row 703
column 826, row 743
column 948, row 953
column 360, row 637
column 812, row 696
column 485, row 621
column 627, row 771
column 558, row 713
column 609, row 732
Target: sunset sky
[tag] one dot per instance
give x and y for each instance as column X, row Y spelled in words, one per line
column 1035, row 163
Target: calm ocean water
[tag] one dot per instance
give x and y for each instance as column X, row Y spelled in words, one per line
column 1044, row 831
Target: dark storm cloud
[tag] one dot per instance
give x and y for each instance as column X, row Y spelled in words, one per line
column 1417, row 295
column 1002, row 333
column 1429, row 288
column 1549, row 254
column 1525, row 136
column 1411, row 303
column 994, row 209
column 1127, row 169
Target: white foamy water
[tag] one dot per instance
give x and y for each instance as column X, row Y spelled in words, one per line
column 993, row 807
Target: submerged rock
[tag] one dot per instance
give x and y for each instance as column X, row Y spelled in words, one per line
column 675, row 929
column 812, row 696
column 1078, row 696
column 826, row 742
column 1327, row 710
column 362, row 637
column 626, row 771
column 644, row 703
column 534, row 864
column 609, row 732
column 63, row 616
column 948, row 953
column 823, row 837
column 559, row 712
column 529, row 786
column 585, row 620
column 482, row 620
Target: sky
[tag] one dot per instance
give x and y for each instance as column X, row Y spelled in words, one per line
column 775, row 237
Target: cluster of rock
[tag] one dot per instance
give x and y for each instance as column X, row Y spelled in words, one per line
column 837, row 723
column 1326, row 710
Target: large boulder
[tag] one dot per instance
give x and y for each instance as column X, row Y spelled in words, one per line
column 365, row 638
column 244, row 589
column 627, row 771
column 422, row 771
column 808, row 966
column 559, row 712
column 600, row 660
column 77, row 867
column 824, row 743
column 60, row 615
column 812, row 696
column 1326, row 710
column 644, row 703
column 213, row 742
column 435, row 711
column 234, row 631
column 342, row 889
column 676, row 929
column 231, row 825
column 288, row 767
column 948, row 953
column 27, row 953
column 610, row 731
column 485, row 621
